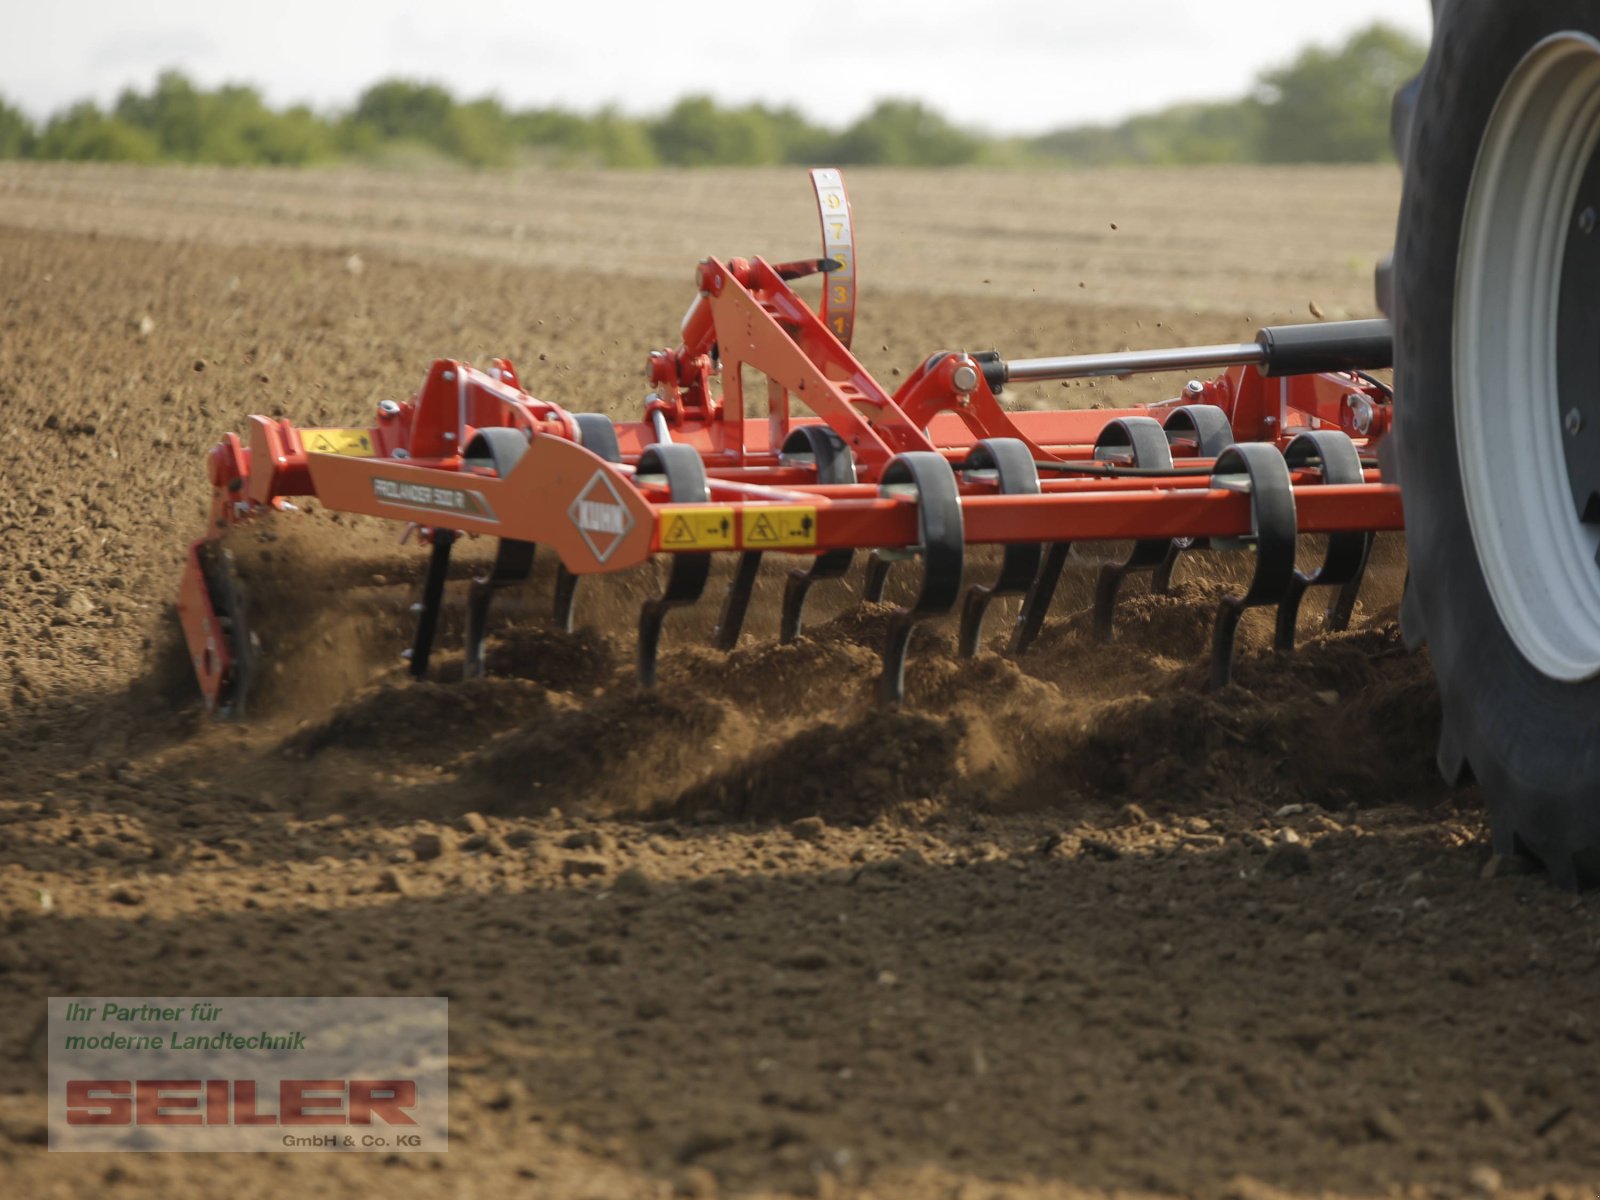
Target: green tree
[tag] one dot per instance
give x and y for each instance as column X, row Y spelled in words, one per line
column 564, row 138
column 85, row 134
column 1196, row 133
column 694, row 132
column 905, row 133
column 555, row 133
column 616, row 140
column 404, row 110
column 232, row 125
column 1183, row 134
column 231, row 121
column 478, row 134
column 174, row 114
column 799, row 141
column 295, row 137
column 400, row 111
column 16, row 132
column 1333, row 105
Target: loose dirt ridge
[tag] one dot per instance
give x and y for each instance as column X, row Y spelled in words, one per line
column 1063, row 926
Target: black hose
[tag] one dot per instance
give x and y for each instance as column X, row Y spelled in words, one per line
column 1107, row 471
column 1371, row 381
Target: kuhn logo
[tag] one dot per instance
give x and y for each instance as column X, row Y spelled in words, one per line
column 600, row 516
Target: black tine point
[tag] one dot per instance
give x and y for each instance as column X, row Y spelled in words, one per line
column 1222, row 636
column 795, row 590
column 432, row 600
column 737, row 603
column 877, row 579
column 473, row 661
column 1030, row 620
column 566, row 594
column 973, row 609
column 892, row 686
column 651, row 615
column 1289, row 613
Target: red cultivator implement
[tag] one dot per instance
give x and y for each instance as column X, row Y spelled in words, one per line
column 1280, row 444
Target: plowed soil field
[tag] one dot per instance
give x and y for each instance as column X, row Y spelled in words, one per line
column 1065, row 925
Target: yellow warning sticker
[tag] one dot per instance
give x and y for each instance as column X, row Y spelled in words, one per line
column 701, row 527
column 786, row 528
column 353, row 443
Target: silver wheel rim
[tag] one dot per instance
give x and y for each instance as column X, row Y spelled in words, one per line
column 1538, row 558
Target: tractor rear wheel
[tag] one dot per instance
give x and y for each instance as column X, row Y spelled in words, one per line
column 1496, row 305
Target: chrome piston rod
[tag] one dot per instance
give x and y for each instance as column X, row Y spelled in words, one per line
column 1133, row 362
column 1277, row 350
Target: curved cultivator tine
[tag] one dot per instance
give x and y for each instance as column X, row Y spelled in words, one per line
column 926, row 478
column 1009, row 464
column 679, row 470
column 1140, row 442
column 1344, row 563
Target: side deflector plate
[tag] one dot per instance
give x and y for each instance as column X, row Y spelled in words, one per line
column 558, row 495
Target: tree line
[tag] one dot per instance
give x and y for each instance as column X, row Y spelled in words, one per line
column 1327, row 105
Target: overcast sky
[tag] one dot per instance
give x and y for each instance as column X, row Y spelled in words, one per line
column 1004, row 65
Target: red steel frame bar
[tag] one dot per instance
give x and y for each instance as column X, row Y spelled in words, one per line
column 419, row 443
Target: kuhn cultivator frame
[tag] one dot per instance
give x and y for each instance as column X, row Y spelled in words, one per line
column 1280, row 444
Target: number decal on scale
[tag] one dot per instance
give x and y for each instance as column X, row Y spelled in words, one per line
column 838, row 244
